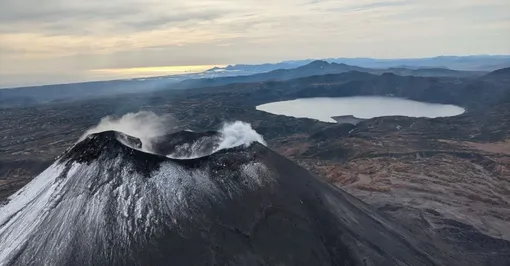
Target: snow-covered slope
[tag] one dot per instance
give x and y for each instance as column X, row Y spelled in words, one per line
column 104, row 203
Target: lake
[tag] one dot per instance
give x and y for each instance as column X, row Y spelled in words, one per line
column 324, row 109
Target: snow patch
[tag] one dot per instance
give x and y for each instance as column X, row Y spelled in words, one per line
column 93, row 200
column 28, row 208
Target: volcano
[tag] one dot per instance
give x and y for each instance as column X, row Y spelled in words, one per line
column 104, row 202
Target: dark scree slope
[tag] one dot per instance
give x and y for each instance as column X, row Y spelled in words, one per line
column 104, row 203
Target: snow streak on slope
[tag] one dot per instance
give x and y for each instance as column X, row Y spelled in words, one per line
column 26, row 208
column 104, row 203
column 111, row 202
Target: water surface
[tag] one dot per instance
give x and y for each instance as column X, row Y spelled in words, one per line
column 360, row 106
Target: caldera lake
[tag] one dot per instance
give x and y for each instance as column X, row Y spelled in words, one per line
column 363, row 107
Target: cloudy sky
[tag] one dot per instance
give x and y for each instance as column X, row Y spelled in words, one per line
column 51, row 41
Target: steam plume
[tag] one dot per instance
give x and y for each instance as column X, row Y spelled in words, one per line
column 143, row 125
column 238, row 133
column 148, row 126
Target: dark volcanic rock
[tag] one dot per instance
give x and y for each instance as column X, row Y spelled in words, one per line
column 243, row 206
column 186, row 144
column 335, row 131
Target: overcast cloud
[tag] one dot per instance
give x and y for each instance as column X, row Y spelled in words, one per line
column 64, row 40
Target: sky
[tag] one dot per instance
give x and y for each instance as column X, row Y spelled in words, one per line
column 59, row 41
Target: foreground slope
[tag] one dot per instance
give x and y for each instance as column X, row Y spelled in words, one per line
column 104, row 203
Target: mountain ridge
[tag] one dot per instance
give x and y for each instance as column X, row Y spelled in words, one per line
column 321, row 67
column 158, row 215
column 27, row 96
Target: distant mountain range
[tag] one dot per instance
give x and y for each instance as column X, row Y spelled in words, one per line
column 262, row 67
column 473, row 63
column 320, row 67
column 250, row 74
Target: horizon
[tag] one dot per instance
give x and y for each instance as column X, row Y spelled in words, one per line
column 118, row 74
column 55, row 41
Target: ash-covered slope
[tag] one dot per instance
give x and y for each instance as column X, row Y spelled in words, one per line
column 104, row 203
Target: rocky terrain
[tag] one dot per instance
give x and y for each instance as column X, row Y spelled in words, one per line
column 450, row 175
column 241, row 205
column 405, row 172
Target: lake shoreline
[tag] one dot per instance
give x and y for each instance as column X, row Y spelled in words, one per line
column 353, row 110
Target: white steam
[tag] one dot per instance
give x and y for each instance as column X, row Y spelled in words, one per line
column 147, row 126
column 238, row 134
column 142, row 125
